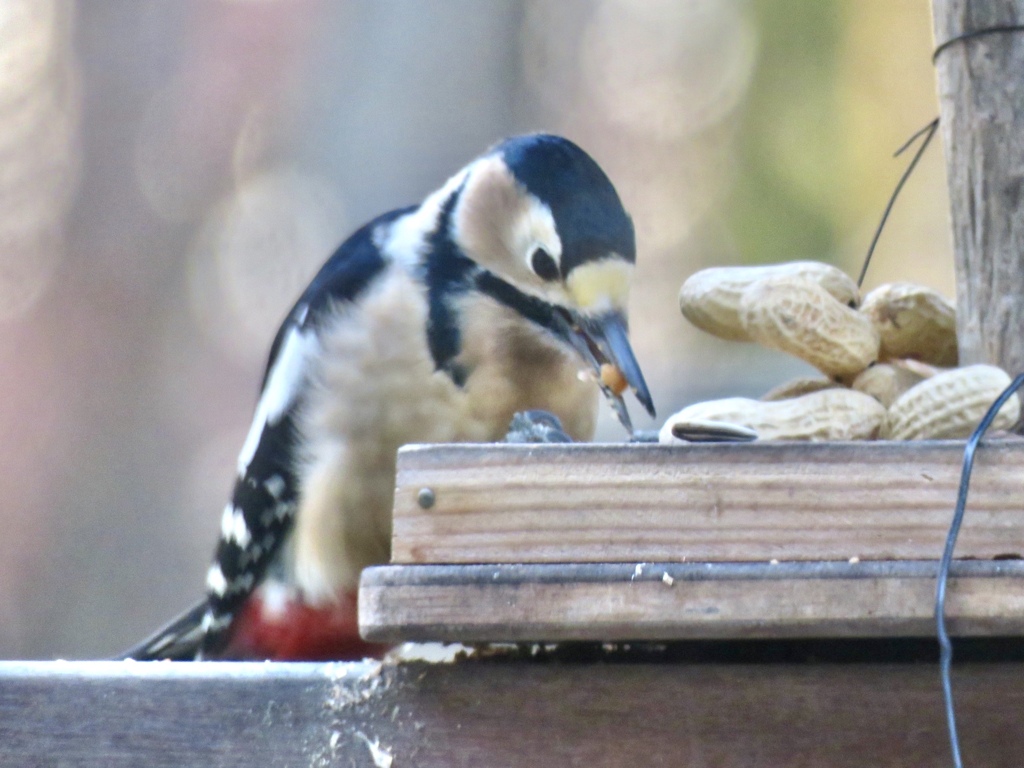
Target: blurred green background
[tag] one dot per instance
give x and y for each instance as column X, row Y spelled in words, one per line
column 173, row 171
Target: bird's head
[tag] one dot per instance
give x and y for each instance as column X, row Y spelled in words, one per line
column 540, row 215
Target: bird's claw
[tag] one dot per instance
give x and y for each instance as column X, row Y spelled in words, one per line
column 536, row 427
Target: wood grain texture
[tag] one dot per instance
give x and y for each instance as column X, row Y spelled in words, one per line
column 982, row 118
column 512, row 714
column 756, row 502
column 665, row 601
column 125, row 714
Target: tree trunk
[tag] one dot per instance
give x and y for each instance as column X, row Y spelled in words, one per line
column 981, row 92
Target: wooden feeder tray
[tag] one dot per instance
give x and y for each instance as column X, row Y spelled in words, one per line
column 640, row 542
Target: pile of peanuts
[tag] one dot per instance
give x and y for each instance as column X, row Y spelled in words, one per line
column 889, row 362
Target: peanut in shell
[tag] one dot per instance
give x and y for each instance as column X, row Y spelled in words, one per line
column 710, row 298
column 796, row 387
column 800, row 317
column 887, row 381
column 950, row 405
column 913, row 322
column 831, row 414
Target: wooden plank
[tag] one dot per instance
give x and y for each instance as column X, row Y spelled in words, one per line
column 670, row 601
column 505, row 713
column 756, row 502
column 116, row 714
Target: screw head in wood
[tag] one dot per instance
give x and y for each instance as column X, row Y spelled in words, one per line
column 426, row 498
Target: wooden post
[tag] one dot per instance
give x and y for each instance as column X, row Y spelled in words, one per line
column 981, row 92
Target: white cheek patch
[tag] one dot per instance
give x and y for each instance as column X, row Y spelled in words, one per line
column 287, row 376
column 534, row 229
column 499, row 225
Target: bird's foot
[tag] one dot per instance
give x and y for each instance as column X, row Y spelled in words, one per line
column 536, row 427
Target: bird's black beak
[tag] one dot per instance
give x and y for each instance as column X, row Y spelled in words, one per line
column 603, row 339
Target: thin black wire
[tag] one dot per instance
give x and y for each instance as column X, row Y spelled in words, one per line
column 930, row 131
column 976, row 33
column 945, row 644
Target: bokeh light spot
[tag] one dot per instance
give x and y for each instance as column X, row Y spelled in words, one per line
column 38, row 149
column 668, row 69
column 258, row 251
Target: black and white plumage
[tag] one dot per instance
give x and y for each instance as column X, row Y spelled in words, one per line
column 432, row 323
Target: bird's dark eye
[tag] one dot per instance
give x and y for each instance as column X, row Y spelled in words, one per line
column 543, row 265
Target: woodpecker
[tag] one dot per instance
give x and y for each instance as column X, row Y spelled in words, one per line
column 432, row 323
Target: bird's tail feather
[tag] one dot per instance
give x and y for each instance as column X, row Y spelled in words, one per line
column 180, row 640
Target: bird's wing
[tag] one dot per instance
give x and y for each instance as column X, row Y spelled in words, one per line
column 256, row 522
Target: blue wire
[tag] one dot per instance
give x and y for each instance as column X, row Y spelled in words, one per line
column 945, row 644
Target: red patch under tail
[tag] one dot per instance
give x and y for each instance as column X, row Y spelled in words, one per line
column 299, row 632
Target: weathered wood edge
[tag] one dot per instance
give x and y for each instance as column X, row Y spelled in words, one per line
column 615, row 602
column 507, row 714
column 440, row 455
column 173, row 714
column 561, row 573
column 756, row 502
